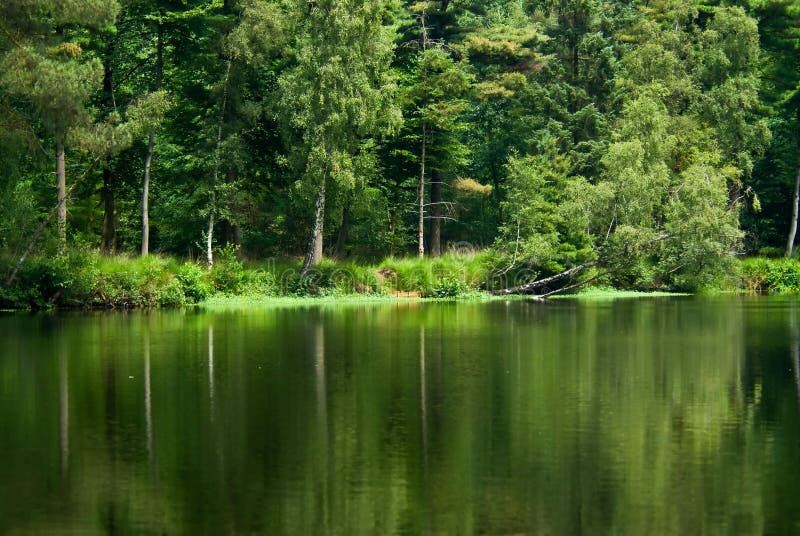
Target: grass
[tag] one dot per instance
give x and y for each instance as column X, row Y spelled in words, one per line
column 85, row 279
column 607, row 293
column 241, row 302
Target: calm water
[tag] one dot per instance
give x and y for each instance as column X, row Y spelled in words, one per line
column 660, row 416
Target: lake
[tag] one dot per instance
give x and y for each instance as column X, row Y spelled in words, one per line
column 643, row 416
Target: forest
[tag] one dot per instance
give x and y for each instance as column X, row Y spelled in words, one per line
column 534, row 144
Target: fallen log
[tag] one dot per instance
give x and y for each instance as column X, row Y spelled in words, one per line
column 531, row 286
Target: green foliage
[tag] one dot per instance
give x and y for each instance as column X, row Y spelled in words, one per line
column 449, row 287
column 776, row 276
column 329, row 278
column 462, row 272
column 227, row 274
column 632, row 136
column 193, row 281
column 541, row 227
column 86, row 279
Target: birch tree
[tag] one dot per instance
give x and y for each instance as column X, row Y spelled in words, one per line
column 336, row 95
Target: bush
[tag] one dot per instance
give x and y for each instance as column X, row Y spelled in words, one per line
column 171, row 295
column 771, row 252
column 776, row 276
column 449, row 287
column 259, row 283
column 193, row 282
column 39, row 284
column 227, row 274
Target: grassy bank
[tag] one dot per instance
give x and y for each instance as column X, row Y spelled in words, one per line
column 85, row 279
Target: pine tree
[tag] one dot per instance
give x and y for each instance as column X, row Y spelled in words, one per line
column 46, row 65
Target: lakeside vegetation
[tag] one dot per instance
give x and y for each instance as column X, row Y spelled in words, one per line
column 90, row 280
column 429, row 149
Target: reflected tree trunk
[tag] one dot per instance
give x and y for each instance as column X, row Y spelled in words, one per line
column 212, row 408
column 423, row 401
column 322, row 421
column 794, row 331
column 63, row 384
column 148, row 404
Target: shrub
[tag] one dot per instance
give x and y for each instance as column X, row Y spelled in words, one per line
column 777, row 276
column 39, row 284
column 227, row 274
column 449, row 287
column 259, row 283
column 771, row 252
column 171, row 295
column 193, row 282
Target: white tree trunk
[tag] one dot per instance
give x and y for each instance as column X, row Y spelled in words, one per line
column 148, row 159
column 61, row 187
column 421, row 198
column 793, row 226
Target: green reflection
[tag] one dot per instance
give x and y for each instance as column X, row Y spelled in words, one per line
column 666, row 416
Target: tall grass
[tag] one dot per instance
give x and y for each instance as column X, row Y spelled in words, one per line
column 775, row 276
column 87, row 279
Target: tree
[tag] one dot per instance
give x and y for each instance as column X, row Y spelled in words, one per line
column 337, row 94
column 46, row 66
column 433, row 95
column 778, row 173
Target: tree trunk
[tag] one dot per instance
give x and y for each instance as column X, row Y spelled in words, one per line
column 421, row 190
column 421, row 195
column 148, row 159
column 392, row 231
column 530, row 286
column 344, row 230
column 210, row 236
column 215, row 175
column 61, row 188
column 146, row 195
column 314, row 255
column 436, row 214
column 236, row 234
column 109, row 223
column 793, row 226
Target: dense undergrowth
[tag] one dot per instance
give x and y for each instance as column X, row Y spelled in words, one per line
column 85, row 279
column 774, row 276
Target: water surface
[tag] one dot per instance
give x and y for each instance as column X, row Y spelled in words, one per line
column 647, row 416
